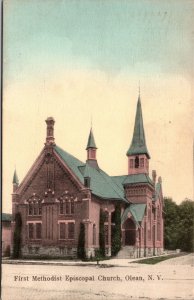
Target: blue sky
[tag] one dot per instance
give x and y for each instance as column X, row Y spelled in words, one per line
column 140, row 37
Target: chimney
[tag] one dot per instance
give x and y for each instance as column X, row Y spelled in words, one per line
column 154, row 175
column 50, row 140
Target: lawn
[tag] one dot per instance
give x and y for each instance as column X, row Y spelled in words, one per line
column 155, row 260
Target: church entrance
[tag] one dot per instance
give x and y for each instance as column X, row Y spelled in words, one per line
column 130, row 232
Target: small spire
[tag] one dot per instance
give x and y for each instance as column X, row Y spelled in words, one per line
column 15, row 178
column 139, row 88
column 91, row 142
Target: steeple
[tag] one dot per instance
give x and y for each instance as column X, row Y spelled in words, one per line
column 91, row 150
column 138, row 153
column 138, row 144
column 15, row 181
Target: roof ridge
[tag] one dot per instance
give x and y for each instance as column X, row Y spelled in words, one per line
column 83, row 164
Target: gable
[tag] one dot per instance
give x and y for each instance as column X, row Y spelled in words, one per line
column 48, row 173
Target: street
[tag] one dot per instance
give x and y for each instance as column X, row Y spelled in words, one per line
column 171, row 279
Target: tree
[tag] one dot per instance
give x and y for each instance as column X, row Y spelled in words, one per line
column 81, row 253
column 17, row 236
column 102, row 233
column 179, row 225
column 171, row 224
column 186, row 226
column 116, row 231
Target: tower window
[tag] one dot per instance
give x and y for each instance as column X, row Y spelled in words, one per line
column 141, row 162
column 131, row 163
column 136, row 162
column 93, row 153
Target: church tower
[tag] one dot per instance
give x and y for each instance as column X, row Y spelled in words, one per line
column 138, row 155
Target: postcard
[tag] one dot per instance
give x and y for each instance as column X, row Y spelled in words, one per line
column 97, row 150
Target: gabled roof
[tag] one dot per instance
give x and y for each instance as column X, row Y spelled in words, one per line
column 101, row 184
column 136, row 210
column 138, row 144
column 6, row 217
column 132, row 179
column 72, row 162
column 91, row 142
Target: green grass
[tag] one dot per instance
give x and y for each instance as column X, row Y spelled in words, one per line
column 158, row 259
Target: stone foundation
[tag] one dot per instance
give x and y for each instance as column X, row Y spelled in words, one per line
column 51, row 251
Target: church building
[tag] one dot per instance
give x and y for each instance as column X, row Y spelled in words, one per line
column 60, row 192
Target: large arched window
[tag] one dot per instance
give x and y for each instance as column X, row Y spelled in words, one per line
column 66, row 204
column 34, row 206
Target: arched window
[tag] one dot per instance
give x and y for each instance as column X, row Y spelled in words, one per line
column 136, row 162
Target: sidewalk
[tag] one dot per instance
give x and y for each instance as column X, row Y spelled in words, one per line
column 119, row 262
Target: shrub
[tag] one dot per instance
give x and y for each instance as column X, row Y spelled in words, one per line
column 81, row 253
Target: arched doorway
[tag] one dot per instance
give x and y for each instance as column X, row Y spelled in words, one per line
column 130, row 232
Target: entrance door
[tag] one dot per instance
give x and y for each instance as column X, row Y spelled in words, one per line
column 130, row 233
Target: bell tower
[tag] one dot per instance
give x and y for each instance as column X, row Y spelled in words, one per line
column 138, row 155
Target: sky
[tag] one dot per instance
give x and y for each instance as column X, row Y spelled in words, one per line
column 81, row 60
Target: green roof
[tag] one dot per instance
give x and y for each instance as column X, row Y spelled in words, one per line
column 91, row 142
column 6, row 217
column 15, row 178
column 137, row 178
column 101, row 184
column 131, row 179
column 137, row 211
column 138, row 144
column 119, row 181
column 72, row 162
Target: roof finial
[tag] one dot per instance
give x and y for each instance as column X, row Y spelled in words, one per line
column 91, row 121
column 139, row 88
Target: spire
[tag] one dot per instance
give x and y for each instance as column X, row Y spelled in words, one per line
column 91, row 151
column 15, row 178
column 138, row 144
column 91, row 141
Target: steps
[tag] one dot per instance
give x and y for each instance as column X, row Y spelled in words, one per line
column 127, row 252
